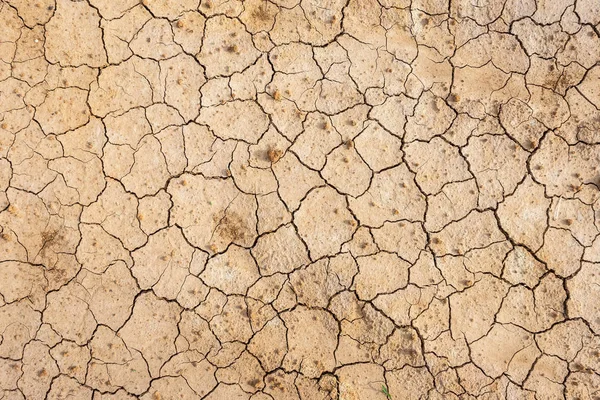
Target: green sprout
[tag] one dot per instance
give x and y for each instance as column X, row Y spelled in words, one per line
column 385, row 391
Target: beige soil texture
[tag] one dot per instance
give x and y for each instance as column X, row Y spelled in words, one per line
column 299, row 199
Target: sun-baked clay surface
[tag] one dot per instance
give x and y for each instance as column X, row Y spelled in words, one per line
column 299, row 199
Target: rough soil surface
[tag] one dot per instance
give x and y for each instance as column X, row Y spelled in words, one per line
column 299, row 199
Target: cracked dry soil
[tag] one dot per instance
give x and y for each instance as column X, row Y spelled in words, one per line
column 299, row 199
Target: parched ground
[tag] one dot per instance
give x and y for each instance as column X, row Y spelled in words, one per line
column 299, row 199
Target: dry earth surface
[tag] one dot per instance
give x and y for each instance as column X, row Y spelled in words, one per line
column 299, row 199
